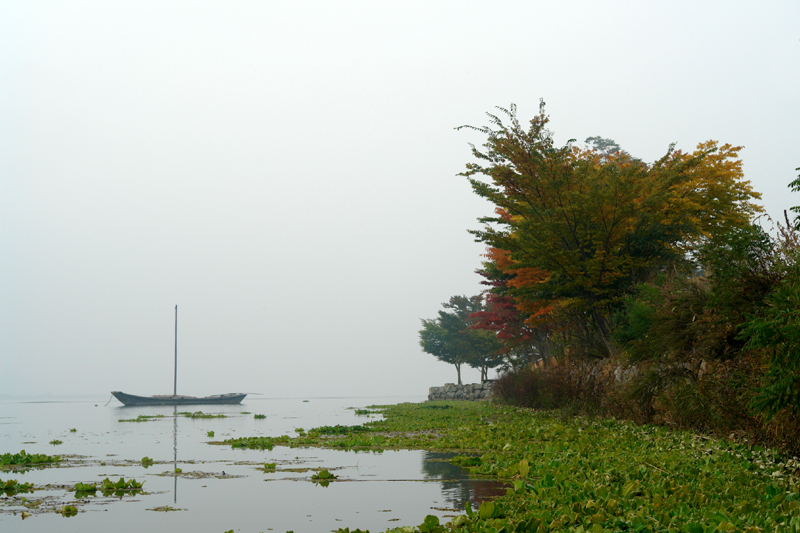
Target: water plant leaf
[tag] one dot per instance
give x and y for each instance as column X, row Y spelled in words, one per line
column 468, row 508
column 431, row 525
column 524, row 468
column 68, row 510
column 323, row 474
column 487, row 510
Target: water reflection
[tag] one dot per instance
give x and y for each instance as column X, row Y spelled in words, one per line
column 175, row 453
column 457, row 486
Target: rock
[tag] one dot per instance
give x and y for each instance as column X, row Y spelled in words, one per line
column 468, row 392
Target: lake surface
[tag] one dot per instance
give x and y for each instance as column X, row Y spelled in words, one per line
column 220, row 488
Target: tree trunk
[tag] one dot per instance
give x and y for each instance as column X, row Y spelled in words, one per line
column 458, row 369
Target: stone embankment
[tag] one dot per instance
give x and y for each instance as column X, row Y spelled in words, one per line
column 470, row 392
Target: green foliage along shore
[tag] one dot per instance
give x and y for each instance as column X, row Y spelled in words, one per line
column 588, row 474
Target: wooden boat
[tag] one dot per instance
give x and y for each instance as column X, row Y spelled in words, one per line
column 175, row 398
column 178, row 399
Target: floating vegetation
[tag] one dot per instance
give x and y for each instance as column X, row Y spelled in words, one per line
column 245, row 413
column 165, row 509
column 201, row 414
column 56, row 442
column 324, row 474
column 270, row 467
column 300, row 431
column 583, row 474
column 12, row 486
column 146, row 461
column 83, row 490
column 365, row 412
column 338, row 430
column 73, row 430
column 25, row 459
column 323, row 477
column 210, row 434
column 259, row 417
column 178, row 470
column 258, row 443
column 120, row 487
column 68, row 510
column 141, row 418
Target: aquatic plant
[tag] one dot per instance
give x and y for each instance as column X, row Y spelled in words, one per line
column 270, row 466
column 338, row 430
column 210, row 434
column 141, row 418
column 165, row 509
column 68, row 510
column 146, row 461
column 580, row 474
column 260, row 443
column 431, row 525
column 201, row 414
column 323, row 477
column 12, row 486
column 259, row 417
column 56, row 442
column 73, row 430
column 83, row 490
column 25, row 459
column 120, row 487
column 323, row 474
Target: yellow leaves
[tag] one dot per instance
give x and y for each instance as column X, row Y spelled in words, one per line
column 712, row 191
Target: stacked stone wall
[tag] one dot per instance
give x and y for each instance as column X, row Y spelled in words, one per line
column 469, row 392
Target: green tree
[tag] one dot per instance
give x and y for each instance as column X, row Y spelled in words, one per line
column 437, row 341
column 450, row 338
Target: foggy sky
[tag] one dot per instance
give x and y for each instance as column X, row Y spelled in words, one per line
column 286, row 172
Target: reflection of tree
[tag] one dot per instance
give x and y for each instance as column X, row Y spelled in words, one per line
column 457, row 487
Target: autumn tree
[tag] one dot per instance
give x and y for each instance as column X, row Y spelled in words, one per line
column 525, row 337
column 580, row 227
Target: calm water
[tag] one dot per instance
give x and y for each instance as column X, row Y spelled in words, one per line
column 221, row 488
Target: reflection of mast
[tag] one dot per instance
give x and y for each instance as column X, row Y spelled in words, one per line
column 175, row 450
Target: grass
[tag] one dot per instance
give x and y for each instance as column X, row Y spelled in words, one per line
column 584, row 474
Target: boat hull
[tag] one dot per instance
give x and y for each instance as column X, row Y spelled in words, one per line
column 218, row 399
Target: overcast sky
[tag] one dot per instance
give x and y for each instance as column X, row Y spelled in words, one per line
column 286, row 172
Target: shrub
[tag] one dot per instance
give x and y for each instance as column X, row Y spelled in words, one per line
column 578, row 386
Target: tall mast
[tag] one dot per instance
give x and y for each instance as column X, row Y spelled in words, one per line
column 175, row 387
